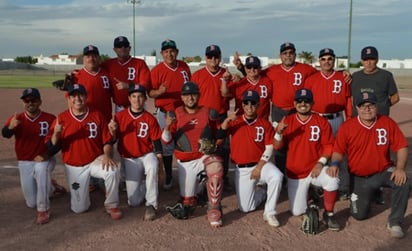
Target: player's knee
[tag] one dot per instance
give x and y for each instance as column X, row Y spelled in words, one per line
column 331, row 184
column 213, row 166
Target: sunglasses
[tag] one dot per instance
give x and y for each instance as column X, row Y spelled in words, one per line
column 326, row 59
column 252, row 67
column 122, row 46
column 249, row 102
column 304, row 100
column 31, row 100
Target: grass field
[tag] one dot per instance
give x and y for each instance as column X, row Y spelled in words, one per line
column 20, row 81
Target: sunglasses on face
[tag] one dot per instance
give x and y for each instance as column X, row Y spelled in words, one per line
column 121, row 46
column 31, row 100
column 249, row 102
column 326, row 59
column 252, row 67
column 304, row 100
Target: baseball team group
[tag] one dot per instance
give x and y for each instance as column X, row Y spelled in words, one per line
column 323, row 135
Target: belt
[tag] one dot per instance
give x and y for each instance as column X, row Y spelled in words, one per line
column 330, row 115
column 247, row 165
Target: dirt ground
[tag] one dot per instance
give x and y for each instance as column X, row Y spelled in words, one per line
column 96, row 230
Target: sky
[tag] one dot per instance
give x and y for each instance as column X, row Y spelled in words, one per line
column 47, row 27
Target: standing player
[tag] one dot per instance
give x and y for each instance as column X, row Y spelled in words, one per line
column 138, row 133
column 258, row 82
column 124, row 70
column 192, row 123
column 367, row 140
column 30, row 129
column 250, row 149
column 167, row 79
column 332, row 100
column 309, row 139
column 82, row 135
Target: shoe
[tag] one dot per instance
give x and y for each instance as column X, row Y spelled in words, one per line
column 396, row 231
column 214, row 216
column 115, row 213
column 329, row 220
column 168, row 185
column 43, row 217
column 149, row 213
column 271, row 220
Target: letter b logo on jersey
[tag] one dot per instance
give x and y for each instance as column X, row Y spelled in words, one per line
column 144, row 127
column 382, row 136
column 92, row 130
column 260, row 131
column 314, row 133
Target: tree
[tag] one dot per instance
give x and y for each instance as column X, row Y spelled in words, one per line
column 26, row 60
column 153, row 53
column 306, row 56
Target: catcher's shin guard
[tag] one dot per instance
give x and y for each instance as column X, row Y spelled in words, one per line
column 214, row 170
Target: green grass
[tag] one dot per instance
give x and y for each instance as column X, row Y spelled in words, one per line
column 19, row 81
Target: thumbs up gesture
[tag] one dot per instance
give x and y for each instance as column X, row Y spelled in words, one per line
column 14, row 122
column 113, row 126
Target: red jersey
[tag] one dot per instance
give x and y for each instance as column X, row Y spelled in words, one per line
column 82, row 140
column 209, row 86
column 263, row 87
column 133, row 71
column 189, row 128
column 136, row 134
column 173, row 78
column 330, row 93
column 368, row 147
column 286, row 82
column 30, row 135
column 306, row 142
column 98, row 90
column 249, row 139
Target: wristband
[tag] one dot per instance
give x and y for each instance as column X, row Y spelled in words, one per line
column 334, row 163
column 323, row 160
column 278, row 136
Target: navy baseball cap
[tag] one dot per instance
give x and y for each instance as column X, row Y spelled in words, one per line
column 213, row 50
column 304, row 93
column 30, row 92
column 190, row 88
column 366, row 97
column 137, row 88
column 90, row 49
column 251, row 95
column 76, row 88
column 120, row 42
column 369, row 52
column 252, row 61
column 286, row 46
column 168, row 44
column 326, row 51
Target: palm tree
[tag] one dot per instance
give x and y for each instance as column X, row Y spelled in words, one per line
column 307, row 57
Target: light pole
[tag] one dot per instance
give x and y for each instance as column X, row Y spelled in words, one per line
column 134, row 2
column 350, row 33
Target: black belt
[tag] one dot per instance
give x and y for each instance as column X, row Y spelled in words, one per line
column 247, row 165
column 330, row 116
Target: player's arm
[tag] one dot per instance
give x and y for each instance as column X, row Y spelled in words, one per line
column 394, row 98
column 399, row 175
column 167, row 133
column 278, row 141
column 53, row 144
column 7, row 132
column 255, row 175
column 8, row 129
column 108, row 161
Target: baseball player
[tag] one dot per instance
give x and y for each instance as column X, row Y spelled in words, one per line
column 309, row 139
column 82, row 135
column 250, row 149
column 332, row 100
column 167, row 79
column 367, row 140
column 30, row 129
column 125, row 70
column 191, row 123
column 256, row 81
column 141, row 150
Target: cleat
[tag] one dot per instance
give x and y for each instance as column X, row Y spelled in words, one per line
column 329, row 220
column 149, row 213
column 115, row 213
column 42, row 217
column 271, row 220
column 396, row 231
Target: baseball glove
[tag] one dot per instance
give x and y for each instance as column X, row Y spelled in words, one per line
column 62, row 84
column 310, row 223
column 180, row 211
column 207, row 146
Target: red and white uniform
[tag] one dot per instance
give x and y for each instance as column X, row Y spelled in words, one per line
column 263, row 87
column 136, row 135
column 248, row 143
column 286, row 82
column 99, row 92
column 173, row 78
column 365, row 156
column 133, row 71
column 209, row 86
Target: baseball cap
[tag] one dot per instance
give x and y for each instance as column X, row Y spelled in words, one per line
column 366, row 97
column 213, row 50
column 30, row 92
column 250, row 95
column 137, row 88
column 190, row 88
column 90, row 49
column 326, row 51
column 252, row 61
column 76, row 88
column 369, row 52
column 168, row 44
column 120, row 42
column 305, row 94
column 286, row 46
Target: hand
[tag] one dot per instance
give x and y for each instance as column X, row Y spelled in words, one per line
column 231, row 115
column 227, row 76
column 170, row 118
column 15, row 122
column 113, row 126
column 162, row 89
column 108, row 163
column 255, row 175
column 316, row 170
column 40, row 158
column 236, row 60
column 281, row 126
column 347, row 77
column 399, row 176
column 58, row 128
column 121, row 85
column 332, row 171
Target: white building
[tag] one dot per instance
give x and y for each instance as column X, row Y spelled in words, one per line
column 61, row 59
